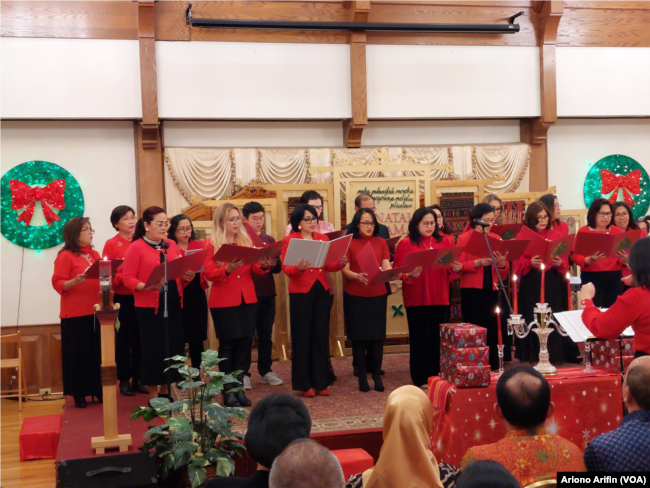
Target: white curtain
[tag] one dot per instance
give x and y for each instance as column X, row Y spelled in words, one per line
column 245, row 165
column 354, row 157
column 281, row 166
column 430, row 155
column 510, row 162
column 320, row 157
column 202, row 173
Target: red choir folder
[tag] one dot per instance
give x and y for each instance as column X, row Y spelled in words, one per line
column 176, row 268
column 337, row 249
column 545, row 249
column 589, row 243
column 92, row 272
column 476, row 246
column 336, row 234
column 255, row 239
column 368, row 264
column 391, row 242
column 250, row 255
column 507, row 231
column 433, row 258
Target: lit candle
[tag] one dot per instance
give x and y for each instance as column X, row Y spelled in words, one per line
column 568, row 288
column 499, row 326
column 542, row 297
column 514, row 292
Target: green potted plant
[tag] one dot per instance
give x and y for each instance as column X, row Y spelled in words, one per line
column 205, row 440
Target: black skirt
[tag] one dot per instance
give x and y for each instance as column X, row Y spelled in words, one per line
column 195, row 312
column 608, row 286
column 81, row 356
column 152, row 338
column 234, row 322
column 365, row 317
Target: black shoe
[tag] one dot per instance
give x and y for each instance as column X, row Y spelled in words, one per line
column 125, row 388
column 379, row 385
column 363, row 382
column 356, row 372
column 243, row 401
column 139, row 387
column 80, row 402
column 382, row 372
column 100, row 398
column 230, row 400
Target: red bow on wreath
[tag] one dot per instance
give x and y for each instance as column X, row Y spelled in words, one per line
column 630, row 184
column 23, row 195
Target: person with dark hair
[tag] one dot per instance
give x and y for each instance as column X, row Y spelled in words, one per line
column 253, row 214
column 555, row 212
column 624, row 220
column 273, row 424
column 527, row 450
column 486, row 474
column 644, row 224
column 605, row 273
column 365, row 305
column 445, row 228
column 80, row 331
column 366, row 200
column 627, row 448
column 478, row 284
column 425, row 294
column 305, row 463
column 195, row 303
column 310, row 304
column 313, row 198
column 631, row 308
column 149, row 249
column 127, row 338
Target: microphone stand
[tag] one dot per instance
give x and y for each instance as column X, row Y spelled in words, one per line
column 166, row 325
column 496, row 269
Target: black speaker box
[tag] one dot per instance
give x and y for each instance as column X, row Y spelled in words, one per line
column 120, row 471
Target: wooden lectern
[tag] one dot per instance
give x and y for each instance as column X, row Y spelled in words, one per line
column 106, row 312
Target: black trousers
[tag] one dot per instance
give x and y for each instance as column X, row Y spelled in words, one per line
column 608, row 286
column 310, row 318
column 81, row 355
column 368, row 355
column 424, row 338
column 236, row 354
column 127, row 340
column 264, row 328
column 638, row 354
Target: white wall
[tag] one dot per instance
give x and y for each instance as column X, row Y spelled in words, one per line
column 101, row 156
column 575, row 145
column 603, row 81
column 70, row 78
column 452, row 81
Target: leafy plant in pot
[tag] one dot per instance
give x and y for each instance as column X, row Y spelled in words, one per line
column 206, row 439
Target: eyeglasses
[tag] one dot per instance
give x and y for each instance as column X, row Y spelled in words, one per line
column 161, row 224
column 310, row 220
column 497, row 209
column 557, row 205
column 605, row 214
column 234, row 220
column 620, row 215
column 489, row 221
column 428, row 224
column 542, row 219
column 367, row 224
column 184, row 230
column 318, row 209
column 258, row 219
column 439, row 217
column 88, row 229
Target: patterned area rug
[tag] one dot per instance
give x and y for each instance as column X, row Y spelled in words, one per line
column 347, row 408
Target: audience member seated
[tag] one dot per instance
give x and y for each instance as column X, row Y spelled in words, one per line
column 275, row 422
column 527, row 451
column 486, row 474
column 628, row 447
column 305, row 463
column 405, row 460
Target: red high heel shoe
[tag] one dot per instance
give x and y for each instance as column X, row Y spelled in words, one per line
column 324, row 392
column 309, row 393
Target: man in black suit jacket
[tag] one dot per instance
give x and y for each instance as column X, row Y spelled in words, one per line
column 365, row 200
column 274, row 423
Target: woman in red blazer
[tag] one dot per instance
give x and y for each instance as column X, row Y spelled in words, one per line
column 310, row 304
column 446, row 232
column 624, row 220
column 478, row 283
column 80, row 332
column 145, row 253
column 232, row 299
column 425, row 294
column 127, row 339
column 555, row 210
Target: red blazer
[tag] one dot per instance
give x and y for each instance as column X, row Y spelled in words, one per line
column 604, row 264
column 625, row 270
column 472, row 277
column 562, row 228
column 432, row 286
column 524, row 266
column 302, row 281
column 115, row 248
column 380, row 248
column 228, row 289
column 81, row 299
column 192, row 245
column 139, row 262
column 631, row 308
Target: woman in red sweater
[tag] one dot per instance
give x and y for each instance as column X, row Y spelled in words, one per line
column 632, row 308
column 310, row 303
column 555, row 210
column 233, row 302
column 478, row 284
column 624, row 220
column 80, row 332
column 148, row 250
column 425, row 294
column 603, row 272
column 127, row 339
column 365, row 305
column 446, row 232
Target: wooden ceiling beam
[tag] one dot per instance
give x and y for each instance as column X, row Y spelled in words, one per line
column 353, row 127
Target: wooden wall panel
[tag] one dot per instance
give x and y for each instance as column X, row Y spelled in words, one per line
column 150, row 180
column 588, row 27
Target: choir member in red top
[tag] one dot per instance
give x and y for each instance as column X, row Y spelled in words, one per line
column 445, row 231
column 80, row 332
column 643, row 223
column 233, row 303
column 528, row 269
column 365, row 305
column 195, row 302
column 496, row 203
column 127, row 338
column 478, row 284
column 313, row 198
column 603, row 272
column 555, row 210
column 425, row 294
column 624, row 220
column 632, row 308
column 145, row 253
column 310, row 303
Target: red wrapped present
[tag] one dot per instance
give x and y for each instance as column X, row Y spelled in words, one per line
column 462, row 376
column 467, row 356
column 463, row 335
column 610, row 349
column 613, row 363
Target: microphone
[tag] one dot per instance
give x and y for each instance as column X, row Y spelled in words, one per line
column 480, row 222
column 164, row 245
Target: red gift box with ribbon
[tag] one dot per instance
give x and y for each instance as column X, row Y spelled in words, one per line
column 467, row 356
column 465, row 376
column 613, row 363
column 463, row 335
column 610, row 349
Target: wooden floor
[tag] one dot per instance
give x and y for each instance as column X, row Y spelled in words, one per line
column 38, row 473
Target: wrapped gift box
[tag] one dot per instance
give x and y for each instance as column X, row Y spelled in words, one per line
column 462, row 376
column 463, row 335
column 467, row 356
column 609, row 349
column 613, row 363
